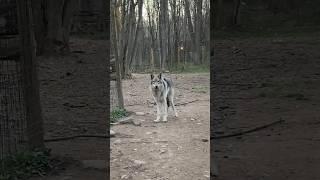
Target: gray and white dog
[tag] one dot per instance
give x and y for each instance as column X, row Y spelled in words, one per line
column 163, row 93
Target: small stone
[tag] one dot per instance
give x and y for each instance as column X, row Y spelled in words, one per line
column 112, row 133
column 162, row 151
column 192, row 119
column 140, row 113
column 125, row 176
column 118, row 141
column 136, row 122
column 139, row 163
column 148, row 133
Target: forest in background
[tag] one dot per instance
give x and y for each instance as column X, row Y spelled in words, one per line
column 264, row 17
column 159, row 35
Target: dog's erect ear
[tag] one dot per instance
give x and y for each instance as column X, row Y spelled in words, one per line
column 152, row 76
column 160, row 76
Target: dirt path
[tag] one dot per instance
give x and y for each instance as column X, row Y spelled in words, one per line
column 176, row 150
column 259, row 81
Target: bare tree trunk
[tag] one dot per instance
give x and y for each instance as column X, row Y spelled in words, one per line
column 53, row 21
column 70, row 7
column 163, row 28
column 38, row 10
column 136, row 36
column 175, row 30
column 152, row 36
column 218, row 13
column 117, row 63
column 236, row 14
column 198, row 30
column 30, row 74
column 152, row 58
column 190, row 28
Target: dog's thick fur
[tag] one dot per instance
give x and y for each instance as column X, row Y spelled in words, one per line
column 163, row 93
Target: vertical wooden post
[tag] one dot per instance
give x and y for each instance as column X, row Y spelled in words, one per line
column 30, row 74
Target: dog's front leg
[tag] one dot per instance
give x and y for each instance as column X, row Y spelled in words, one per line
column 165, row 110
column 158, row 112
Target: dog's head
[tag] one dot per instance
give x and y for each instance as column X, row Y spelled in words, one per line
column 156, row 82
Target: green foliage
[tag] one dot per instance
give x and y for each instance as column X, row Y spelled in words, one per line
column 25, row 165
column 200, row 89
column 190, row 68
column 117, row 113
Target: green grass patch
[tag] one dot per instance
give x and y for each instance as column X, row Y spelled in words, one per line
column 190, row 68
column 25, row 165
column 200, row 89
column 117, row 113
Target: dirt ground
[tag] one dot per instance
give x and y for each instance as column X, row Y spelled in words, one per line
column 74, row 102
column 257, row 82
column 175, row 150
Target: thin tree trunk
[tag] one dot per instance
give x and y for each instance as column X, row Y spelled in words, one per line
column 191, row 30
column 30, row 74
column 38, row 10
column 136, row 36
column 217, row 13
column 175, row 30
column 163, row 18
column 198, row 30
column 117, row 63
column 236, row 14
column 53, row 21
column 151, row 31
column 70, row 7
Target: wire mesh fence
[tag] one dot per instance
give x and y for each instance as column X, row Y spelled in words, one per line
column 12, row 104
column 12, row 107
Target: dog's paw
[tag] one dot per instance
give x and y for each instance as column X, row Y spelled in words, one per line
column 176, row 115
column 165, row 120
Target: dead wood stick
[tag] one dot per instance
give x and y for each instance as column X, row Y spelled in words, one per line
column 147, row 142
column 104, row 136
column 75, row 136
column 248, row 131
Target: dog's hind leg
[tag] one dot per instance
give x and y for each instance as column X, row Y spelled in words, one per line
column 172, row 103
column 174, row 108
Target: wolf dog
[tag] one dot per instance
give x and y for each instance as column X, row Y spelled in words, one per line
column 163, row 93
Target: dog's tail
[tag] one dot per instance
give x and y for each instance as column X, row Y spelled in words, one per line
column 168, row 102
